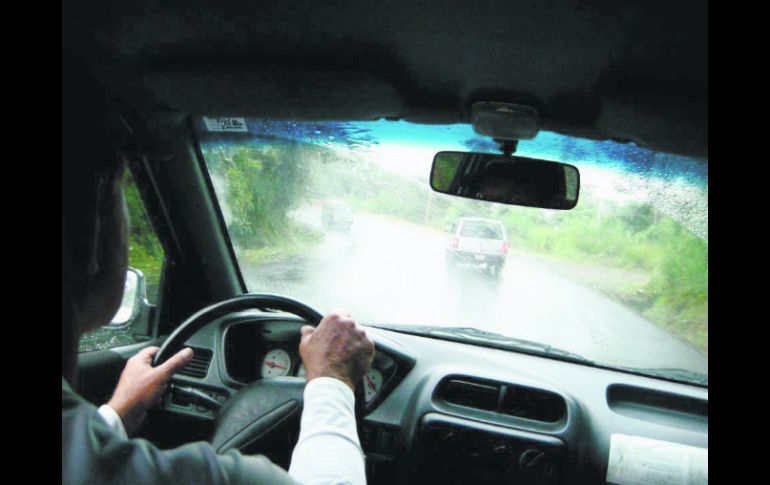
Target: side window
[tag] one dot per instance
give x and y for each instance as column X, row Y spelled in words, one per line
column 145, row 252
column 145, row 255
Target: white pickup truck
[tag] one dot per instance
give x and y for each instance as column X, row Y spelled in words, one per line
column 478, row 242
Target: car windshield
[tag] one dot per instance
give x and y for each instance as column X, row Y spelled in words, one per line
column 341, row 215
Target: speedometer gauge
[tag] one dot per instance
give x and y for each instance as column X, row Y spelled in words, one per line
column 372, row 383
column 276, row 363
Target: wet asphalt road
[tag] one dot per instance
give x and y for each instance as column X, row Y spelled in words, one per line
column 388, row 271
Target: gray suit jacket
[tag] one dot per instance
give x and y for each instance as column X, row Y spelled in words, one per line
column 92, row 453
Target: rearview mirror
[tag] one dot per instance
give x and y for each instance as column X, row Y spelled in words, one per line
column 506, row 179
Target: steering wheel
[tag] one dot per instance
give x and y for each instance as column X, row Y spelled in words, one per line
column 267, row 405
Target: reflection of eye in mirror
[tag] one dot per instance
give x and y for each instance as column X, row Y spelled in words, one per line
column 508, row 180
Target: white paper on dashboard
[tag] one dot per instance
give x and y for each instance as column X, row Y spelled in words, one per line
column 635, row 460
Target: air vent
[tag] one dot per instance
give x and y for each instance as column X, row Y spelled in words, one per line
column 660, row 407
column 502, row 398
column 470, row 393
column 199, row 365
column 528, row 403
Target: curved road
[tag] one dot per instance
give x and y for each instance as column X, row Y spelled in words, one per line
column 388, row 271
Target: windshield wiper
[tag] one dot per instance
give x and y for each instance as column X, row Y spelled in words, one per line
column 676, row 374
column 489, row 339
column 500, row 341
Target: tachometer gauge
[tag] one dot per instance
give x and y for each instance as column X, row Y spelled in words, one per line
column 276, row 363
column 372, row 383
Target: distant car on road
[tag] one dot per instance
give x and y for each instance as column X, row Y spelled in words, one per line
column 337, row 214
column 478, row 242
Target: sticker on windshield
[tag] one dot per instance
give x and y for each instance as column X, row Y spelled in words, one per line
column 237, row 125
column 636, row 460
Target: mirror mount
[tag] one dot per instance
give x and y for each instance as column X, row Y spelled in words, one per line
column 506, row 121
column 508, row 147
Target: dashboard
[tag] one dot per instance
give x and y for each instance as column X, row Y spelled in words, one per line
column 462, row 413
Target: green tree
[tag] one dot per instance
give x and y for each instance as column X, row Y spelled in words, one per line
column 264, row 184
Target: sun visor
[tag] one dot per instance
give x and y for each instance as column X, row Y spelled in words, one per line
column 277, row 93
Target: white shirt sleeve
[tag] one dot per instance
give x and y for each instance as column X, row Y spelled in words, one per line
column 328, row 450
column 113, row 420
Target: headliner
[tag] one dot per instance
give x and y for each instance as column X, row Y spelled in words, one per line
column 634, row 70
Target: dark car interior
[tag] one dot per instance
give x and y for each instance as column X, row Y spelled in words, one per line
column 453, row 412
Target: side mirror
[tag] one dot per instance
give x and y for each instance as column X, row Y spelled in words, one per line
column 134, row 299
column 506, row 179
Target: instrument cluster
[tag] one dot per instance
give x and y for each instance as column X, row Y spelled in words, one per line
column 269, row 350
column 279, row 362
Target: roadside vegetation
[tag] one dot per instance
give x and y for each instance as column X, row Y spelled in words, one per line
column 630, row 236
column 263, row 183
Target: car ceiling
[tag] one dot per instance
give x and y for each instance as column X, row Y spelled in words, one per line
column 632, row 70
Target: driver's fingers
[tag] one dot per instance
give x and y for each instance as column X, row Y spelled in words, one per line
column 340, row 313
column 176, row 362
column 145, row 355
column 306, row 330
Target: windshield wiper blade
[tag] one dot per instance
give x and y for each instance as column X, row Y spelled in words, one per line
column 516, row 343
column 677, row 374
column 500, row 341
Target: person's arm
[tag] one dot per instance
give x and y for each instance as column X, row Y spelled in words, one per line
column 111, row 417
column 140, row 387
column 93, row 453
column 328, row 450
column 336, row 355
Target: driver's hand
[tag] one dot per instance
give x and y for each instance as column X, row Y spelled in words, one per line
column 141, row 385
column 337, row 348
